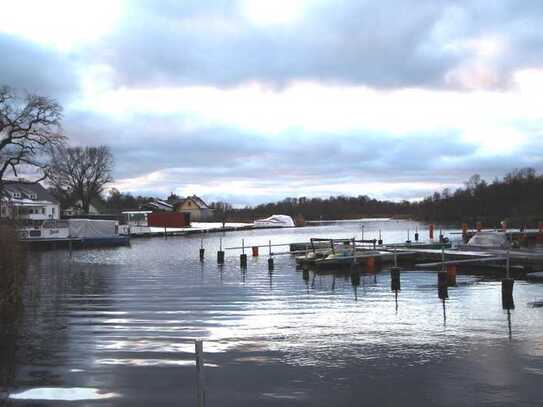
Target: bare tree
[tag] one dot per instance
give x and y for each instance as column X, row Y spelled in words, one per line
column 29, row 125
column 81, row 172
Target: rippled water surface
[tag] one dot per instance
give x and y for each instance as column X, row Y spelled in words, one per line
column 116, row 327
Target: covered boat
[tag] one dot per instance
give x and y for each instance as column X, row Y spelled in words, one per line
column 275, row 221
column 489, row 240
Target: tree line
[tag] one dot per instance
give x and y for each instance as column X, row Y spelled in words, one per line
column 517, row 198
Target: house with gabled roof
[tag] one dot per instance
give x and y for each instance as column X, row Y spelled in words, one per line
column 196, row 207
column 27, row 200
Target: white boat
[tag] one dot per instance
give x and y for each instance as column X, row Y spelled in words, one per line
column 275, row 221
column 489, row 240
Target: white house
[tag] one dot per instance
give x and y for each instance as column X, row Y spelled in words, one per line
column 27, row 200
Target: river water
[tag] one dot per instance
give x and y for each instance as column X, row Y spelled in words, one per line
column 115, row 327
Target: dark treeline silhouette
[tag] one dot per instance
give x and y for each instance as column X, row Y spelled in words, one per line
column 338, row 207
column 518, row 198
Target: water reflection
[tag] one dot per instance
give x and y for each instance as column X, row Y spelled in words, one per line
column 124, row 319
column 63, row 394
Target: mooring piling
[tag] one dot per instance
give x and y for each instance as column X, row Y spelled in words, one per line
column 431, row 231
column 507, row 293
column 507, row 285
column 202, row 250
column 380, row 241
column 395, row 279
column 442, row 285
column 270, row 258
column 243, row 256
column 416, row 234
column 220, row 253
column 200, row 379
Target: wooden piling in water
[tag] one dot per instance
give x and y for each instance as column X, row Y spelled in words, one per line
column 200, row 379
column 220, row 253
column 395, row 279
column 202, row 250
column 442, row 285
column 507, row 293
column 243, row 256
column 431, row 231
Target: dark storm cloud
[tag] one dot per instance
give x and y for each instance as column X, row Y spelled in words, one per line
column 389, row 43
column 27, row 66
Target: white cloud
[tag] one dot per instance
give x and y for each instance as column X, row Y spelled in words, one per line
column 63, row 24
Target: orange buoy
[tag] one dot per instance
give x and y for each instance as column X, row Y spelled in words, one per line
column 371, row 263
column 451, row 274
column 255, row 251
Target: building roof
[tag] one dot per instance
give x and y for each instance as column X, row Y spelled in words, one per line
column 158, row 205
column 199, row 202
column 27, row 189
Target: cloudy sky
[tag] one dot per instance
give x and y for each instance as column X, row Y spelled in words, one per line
column 255, row 100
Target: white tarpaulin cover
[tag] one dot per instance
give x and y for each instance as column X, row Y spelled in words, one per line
column 489, row 239
column 92, row 228
column 283, row 221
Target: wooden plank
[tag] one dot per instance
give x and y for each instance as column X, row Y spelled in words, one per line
column 465, row 261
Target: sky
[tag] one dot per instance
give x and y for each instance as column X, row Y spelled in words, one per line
column 252, row 101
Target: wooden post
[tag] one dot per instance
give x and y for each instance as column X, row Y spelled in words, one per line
column 202, row 250
column 220, row 253
column 507, row 293
column 508, row 265
column 395, row 258
column 442, row 283
column 380, row 241
column 431, row 231
column 442, row 258
column 395, row 279
column 362, row 232
column 200, row 379
column 417, row 234
column 243, row 256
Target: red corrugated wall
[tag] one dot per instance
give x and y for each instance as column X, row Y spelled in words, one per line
column 169, row 219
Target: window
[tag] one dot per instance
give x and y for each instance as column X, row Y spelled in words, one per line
column 16, row 194
column 33, row 196
column 43, row 211
column 52, row 211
